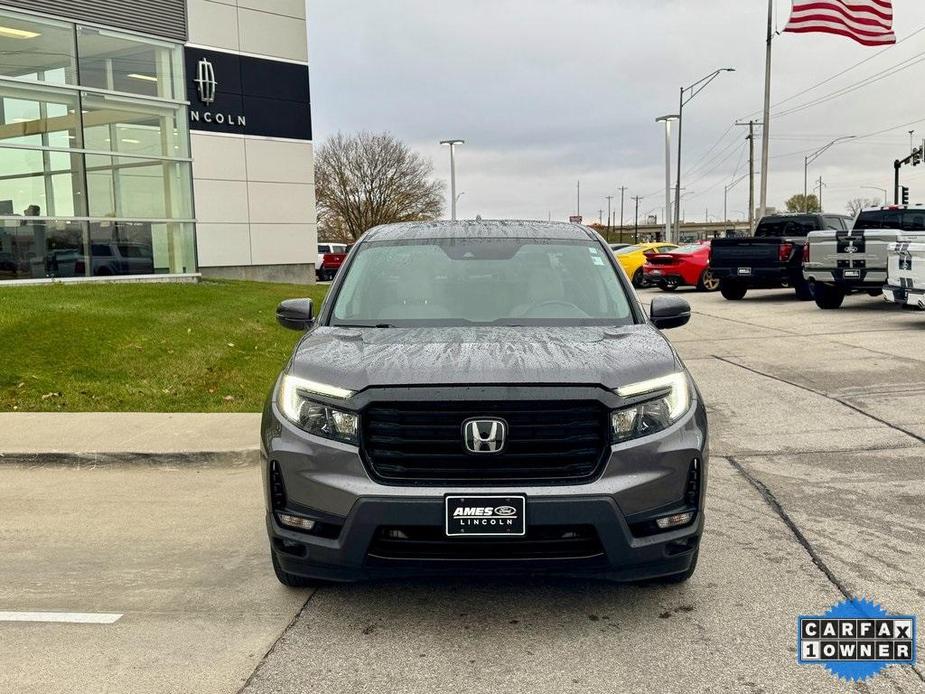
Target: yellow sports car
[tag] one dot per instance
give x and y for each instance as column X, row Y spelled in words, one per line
column 633, row 258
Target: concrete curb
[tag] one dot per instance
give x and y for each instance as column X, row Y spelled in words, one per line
column 184, row 459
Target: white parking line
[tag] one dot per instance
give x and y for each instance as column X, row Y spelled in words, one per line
column 60, row 617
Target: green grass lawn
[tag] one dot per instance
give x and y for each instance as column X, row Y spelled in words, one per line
column 208, row 347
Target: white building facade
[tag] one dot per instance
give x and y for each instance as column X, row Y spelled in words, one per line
column 155, row 138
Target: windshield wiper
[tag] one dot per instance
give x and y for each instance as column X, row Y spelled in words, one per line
column 367, row 325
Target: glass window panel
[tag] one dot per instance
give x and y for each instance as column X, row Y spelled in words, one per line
column 142, row 188
column 141, row 248
column 39, row 183
column 36, row 248
column 38, row 116
column 36, row 49
column 132, row 127
column 119, row 62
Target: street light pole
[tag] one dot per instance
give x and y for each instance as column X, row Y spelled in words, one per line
column 882, row 190
column 809, row 160
column 452, row 145
column 694, row 90
column 667, row 120
column 609, row 199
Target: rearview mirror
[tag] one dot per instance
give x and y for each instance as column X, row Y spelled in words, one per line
column 670, row 312
column 296, row 314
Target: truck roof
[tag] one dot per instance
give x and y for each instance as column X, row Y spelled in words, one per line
column 479, row 229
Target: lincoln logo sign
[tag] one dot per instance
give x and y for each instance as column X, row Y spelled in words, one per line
column 205, row 80
column 207, row 87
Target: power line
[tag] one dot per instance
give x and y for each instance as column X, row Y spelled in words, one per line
column 839, row 74
column 888, row 72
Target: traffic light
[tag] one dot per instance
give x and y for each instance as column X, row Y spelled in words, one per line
column 905, row 195
column 916, row 157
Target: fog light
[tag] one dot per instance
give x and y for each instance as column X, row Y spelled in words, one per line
column 675, row 520
column 295, row 521
column 396, row 534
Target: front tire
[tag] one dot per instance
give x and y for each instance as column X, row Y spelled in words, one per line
column 803, row 289
column 828, row 297
column 732, row 290
column 676, row 579
column 291, row 580
column 707, row 282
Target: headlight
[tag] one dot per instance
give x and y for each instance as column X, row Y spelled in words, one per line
column 672, row 400
column 294, row 401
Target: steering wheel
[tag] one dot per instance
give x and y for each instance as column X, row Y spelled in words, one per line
column 556, row 302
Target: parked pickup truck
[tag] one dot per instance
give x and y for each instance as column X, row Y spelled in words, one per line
column 330, row 257
column 838, row 263
column 772, row 258
column 906, row 264
column 906, row 273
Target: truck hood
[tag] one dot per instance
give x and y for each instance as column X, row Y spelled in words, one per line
column 357, row 359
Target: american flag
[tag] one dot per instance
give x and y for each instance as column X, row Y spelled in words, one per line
column 869, row 22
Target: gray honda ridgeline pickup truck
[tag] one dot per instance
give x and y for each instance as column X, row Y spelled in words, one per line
column 484, row 397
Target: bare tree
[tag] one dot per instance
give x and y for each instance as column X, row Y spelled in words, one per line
column 368, row 179
column 857, row 204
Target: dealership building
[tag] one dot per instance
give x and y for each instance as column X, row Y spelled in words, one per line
column 155, row 138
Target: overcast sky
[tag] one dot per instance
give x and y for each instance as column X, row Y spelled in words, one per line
column 547, row 92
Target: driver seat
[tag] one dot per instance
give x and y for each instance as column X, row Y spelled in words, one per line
column 543, row 284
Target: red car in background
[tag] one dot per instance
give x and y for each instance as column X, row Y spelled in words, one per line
column 688, row 266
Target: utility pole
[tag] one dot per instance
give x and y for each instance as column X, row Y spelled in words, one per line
column 578, row 206
column 609, row 218
column 600, row 217
column 637, row 198
column 820, row 184
column 751, row 174
column 622, row 193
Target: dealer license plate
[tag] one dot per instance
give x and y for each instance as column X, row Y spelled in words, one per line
column 486, row 516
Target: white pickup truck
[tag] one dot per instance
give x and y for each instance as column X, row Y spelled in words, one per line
column 906, row 270
column 838, row 263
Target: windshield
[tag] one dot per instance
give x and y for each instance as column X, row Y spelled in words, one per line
column 693, row 248
column 628, row 249
column 904, row 220
column 508, row 282
column 786, row 226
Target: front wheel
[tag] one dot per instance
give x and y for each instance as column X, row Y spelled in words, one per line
column 803, row 289
column 828, row 297
column 292, row 580
column 707, row 282
column 732, row 290
column 675, row 579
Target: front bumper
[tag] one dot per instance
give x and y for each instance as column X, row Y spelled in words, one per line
column 639, row 481
column 348, row 558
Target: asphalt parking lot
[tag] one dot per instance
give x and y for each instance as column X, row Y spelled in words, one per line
column 817, row 491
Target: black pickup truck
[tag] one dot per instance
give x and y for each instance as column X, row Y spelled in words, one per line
column 772, row 258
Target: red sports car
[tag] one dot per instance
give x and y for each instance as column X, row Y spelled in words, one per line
column 688, row 266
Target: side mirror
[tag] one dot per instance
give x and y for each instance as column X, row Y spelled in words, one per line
column 296, row 314
column 670, row 312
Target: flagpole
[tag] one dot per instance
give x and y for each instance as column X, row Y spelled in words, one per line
column 766, row 129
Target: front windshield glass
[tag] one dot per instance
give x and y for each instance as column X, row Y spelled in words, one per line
column 628, row 249
column 507, row 282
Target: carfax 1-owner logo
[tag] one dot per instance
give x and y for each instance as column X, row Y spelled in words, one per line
column 856, row 640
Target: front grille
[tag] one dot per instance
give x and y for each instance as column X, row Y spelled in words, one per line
column 430, row 543
column 548, row 442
